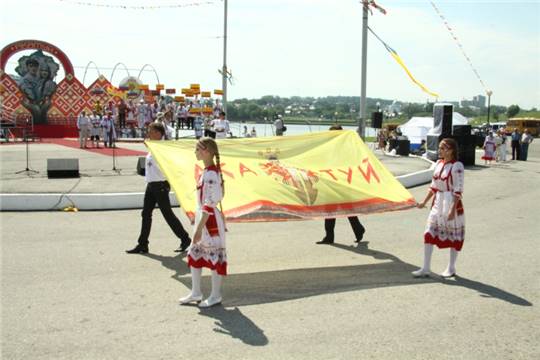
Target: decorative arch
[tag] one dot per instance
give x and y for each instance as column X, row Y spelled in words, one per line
column 13, row 48
column 114, row 69
column 154, row 70
column 86, row 69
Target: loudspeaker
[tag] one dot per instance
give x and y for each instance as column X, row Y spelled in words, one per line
column 376, row 119
column 432, row 146
column 141, row 166
column 459, row 130
column 466, row 148
column 465, row 140
column 403, row 147
column 62, row 168
column 467, row 154
column 442, row 119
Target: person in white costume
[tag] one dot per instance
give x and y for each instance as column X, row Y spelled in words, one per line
column 446, row 221
column 96, row 129
column 208, row 247
column 221, row 126
column 501, row 148
column 83, row 124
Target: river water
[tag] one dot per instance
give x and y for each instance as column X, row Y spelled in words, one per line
column 237, row 129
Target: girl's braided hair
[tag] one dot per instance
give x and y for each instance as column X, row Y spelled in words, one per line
column 211, row 145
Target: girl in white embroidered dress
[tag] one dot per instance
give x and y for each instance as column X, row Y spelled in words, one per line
column 446, row 222
column 490, row 146
column 208, row 246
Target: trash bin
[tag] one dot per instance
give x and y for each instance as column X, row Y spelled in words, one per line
column 403, row 147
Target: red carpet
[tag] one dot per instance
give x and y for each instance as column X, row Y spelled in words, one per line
column 103, row 151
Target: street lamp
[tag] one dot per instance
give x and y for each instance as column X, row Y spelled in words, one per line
column 489, row 92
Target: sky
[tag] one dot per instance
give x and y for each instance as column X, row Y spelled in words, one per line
column 296, row 47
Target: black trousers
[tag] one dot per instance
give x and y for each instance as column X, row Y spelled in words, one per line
column 158, row 193
column 330, row 224
column 210, row 133
column 122, row 120
column 516, row 150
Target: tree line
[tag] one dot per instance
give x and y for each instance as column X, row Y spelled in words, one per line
column 345, row 109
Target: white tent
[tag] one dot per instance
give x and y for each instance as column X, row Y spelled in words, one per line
column 417, row 128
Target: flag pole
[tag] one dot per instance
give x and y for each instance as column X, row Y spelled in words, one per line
column 362, row 112
column 224, row 71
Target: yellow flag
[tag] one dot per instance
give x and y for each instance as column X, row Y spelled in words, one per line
column 317, row 175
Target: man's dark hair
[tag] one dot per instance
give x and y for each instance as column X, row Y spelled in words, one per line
column 158, row 127
column 222, row 113
column 32, row 62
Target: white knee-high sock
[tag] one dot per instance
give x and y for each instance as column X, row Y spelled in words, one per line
column 216, row 285
column 428, row 250
column 453, row 258
column 196, row 281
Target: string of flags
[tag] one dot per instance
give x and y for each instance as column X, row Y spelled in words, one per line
column 139, row 7
column 459, row 45
column 402, row 64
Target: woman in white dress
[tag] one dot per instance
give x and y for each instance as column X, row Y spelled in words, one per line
column 208, row 246
column 490, row 146
column 446, row 221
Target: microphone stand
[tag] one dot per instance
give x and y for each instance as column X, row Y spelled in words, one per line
column 113, row 143
column 27, row 170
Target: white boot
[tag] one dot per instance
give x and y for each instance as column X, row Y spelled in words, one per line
column 215, row 295
column 195, row 295
column 451, row 269
column 426, row 269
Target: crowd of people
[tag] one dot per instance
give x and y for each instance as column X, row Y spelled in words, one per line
column 130, row 119
column 496, row 145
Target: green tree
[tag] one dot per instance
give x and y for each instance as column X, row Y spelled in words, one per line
column 512, row 111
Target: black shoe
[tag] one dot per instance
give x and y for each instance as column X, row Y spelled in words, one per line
column 183, row 246
column 325, row 241
column 139, row 249
column 359, row 238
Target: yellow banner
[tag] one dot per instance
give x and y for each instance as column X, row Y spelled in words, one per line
column 424, row 89
column 317, row 175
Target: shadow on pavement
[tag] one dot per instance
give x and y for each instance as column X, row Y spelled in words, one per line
column 484, row 289
column 274, row 286
column 173, row 263
column 235, row 324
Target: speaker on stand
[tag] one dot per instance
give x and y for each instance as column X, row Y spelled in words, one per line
column 442, row 119
column 376, row 119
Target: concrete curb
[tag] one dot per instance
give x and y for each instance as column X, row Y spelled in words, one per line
column 119, row 201
column 418, row 177
column 56, row 201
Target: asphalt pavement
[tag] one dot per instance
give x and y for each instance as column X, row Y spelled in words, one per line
column 70, row 292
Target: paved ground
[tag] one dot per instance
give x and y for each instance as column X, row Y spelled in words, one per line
column 70, row 292
column 96, row 169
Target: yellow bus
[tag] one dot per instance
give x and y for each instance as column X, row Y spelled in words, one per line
column 521, row 124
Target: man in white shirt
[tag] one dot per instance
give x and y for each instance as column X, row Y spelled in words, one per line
column 221, row 126
column 157, row 192
column 83, row 124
